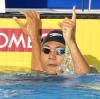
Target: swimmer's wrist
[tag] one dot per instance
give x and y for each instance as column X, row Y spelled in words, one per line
column 71, row 43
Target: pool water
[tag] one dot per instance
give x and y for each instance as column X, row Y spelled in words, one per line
column 33, row 86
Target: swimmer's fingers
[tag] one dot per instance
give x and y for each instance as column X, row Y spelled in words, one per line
column 60, row 24
column 74, row 14
column 36, row 14
column 31, row 15
column 19, row 22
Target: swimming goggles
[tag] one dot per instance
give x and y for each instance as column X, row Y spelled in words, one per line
column 59, row 51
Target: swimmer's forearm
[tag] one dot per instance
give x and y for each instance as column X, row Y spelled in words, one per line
column 81, row 66
column 35, row 60
column 36, row 57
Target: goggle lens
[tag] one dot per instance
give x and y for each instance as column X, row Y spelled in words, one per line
column 59, row 51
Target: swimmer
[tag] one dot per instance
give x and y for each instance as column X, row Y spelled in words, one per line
column 49, row 52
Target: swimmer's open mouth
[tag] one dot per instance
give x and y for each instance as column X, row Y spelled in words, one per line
column 52, row 65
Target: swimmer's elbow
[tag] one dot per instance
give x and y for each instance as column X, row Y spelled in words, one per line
column 93, row 70
column 83, row 71
column 87, row 71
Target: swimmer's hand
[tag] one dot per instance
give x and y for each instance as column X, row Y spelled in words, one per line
column 68, row 27
column 32, row 25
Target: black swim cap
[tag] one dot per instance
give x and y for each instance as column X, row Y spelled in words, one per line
column 55, row 35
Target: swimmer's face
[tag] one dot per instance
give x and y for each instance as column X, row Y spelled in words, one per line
column 52, row 54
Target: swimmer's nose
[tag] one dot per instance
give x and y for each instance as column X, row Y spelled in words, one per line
column 52, row 55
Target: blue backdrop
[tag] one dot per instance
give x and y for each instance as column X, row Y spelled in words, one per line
column 51, row 4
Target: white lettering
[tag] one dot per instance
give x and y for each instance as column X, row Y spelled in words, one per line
column 6, row 40
column 29, row 43
column 9, row 40
column 17, row 42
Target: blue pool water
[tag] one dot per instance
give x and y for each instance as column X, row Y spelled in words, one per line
column 30, row 86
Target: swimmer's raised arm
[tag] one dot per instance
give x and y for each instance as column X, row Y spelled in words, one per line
column 32, row 25
column 68, row 27
column 32, row 29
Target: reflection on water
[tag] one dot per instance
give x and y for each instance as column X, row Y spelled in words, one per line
column 34, row 86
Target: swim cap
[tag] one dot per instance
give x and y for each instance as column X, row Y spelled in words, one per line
column 55, row 35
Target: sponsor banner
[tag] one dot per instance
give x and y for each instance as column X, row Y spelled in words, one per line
column 46, row 23
column 14, row 40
